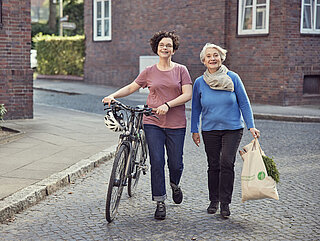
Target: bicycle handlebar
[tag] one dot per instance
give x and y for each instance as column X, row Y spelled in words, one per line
column 145, row 110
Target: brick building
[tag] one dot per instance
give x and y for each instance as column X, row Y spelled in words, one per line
column 15, row 72
column 272, row 44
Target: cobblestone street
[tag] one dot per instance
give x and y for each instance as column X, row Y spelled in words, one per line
column 76, row 212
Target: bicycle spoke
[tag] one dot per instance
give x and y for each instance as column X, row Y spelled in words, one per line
column 117, row 179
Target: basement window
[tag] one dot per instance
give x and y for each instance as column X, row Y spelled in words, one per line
column 311, row 85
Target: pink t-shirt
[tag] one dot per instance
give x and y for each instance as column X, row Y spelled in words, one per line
column 165, row 86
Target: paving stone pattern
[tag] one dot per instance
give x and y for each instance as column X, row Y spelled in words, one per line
column 76, row 212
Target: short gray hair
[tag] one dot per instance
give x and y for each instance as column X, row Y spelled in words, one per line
column 222, row 52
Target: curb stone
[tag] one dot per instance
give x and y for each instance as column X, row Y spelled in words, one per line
column 291, row 118
column 61, row 77
column 56, row 91
column 277, row 117
column 15, row 134
column 32, row 194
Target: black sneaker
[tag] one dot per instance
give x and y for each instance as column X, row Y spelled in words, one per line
column 177, row 195
column 224, row 210
column 213, row 207
column 160, row 211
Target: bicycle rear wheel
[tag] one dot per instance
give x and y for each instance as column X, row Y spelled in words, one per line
column 137, row 164
column 116, row 183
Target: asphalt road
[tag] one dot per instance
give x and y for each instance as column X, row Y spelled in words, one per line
column 76, row 212
column 82, row 102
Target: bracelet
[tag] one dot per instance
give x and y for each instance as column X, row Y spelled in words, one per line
column 167, row 105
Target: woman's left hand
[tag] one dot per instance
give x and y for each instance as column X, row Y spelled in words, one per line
column 162, row 109
column 255, row 132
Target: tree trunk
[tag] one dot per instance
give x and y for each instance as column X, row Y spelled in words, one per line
column 52, row 16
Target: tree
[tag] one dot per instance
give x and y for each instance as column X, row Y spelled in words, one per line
column 52, row 22
column 74, row 9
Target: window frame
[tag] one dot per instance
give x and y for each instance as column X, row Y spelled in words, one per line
column 1, row 14
column 241, row 17
column 103, row 18
column 312, row 30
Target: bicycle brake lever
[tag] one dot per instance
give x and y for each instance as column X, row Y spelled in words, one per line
column 154, row 115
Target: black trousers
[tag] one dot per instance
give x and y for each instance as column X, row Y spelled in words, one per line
column 221, row 148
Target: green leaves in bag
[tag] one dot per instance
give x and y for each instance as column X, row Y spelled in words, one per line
column 271, row 168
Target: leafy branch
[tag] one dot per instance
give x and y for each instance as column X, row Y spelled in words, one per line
column 271, row 168
column 3, row 111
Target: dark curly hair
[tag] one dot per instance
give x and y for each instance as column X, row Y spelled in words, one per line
column 154, row 41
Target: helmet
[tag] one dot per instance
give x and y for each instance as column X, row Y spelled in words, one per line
column 113, row 121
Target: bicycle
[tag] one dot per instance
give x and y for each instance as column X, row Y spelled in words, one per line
column 131, row 153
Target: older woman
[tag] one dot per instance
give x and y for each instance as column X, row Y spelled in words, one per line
column 170, row 88
column 220, row 98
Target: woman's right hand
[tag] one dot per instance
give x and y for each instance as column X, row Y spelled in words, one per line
column 108, row 99
column 162, row 109
column 196, row 138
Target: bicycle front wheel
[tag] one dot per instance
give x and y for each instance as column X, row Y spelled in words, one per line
column 137, row 164
column 116, row 183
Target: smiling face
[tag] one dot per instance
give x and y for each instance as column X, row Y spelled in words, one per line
column 212, row 60
column 165, row 48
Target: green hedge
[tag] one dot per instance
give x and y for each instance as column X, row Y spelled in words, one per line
column 57, row 55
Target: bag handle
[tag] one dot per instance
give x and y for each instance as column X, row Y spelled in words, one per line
column 256, row 145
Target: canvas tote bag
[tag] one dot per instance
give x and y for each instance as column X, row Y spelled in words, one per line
column 255, row 182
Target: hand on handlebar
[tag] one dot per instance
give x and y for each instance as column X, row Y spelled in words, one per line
column 162, row 109
column 108, row 100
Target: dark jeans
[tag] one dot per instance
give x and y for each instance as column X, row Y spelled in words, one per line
column 221, row 147
column 173, row 140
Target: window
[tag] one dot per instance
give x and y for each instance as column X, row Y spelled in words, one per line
column 0, row 14
column 101, row 20
column 310, row 16
column 253, row 17
column 311, row 84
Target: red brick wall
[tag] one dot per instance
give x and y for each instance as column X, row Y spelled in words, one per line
column 272, row 66
column 302, row 54
column 259, row 60
column 15, row 73
column 116, row 62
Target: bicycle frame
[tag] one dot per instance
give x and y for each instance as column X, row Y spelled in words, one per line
column 130, row 136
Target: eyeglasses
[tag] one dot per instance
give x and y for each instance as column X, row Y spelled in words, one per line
column 168, row 46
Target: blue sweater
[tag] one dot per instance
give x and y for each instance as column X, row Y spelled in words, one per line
column 220, row 109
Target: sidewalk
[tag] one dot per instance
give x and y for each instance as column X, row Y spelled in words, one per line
column 59, row 145
column 52, row 149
